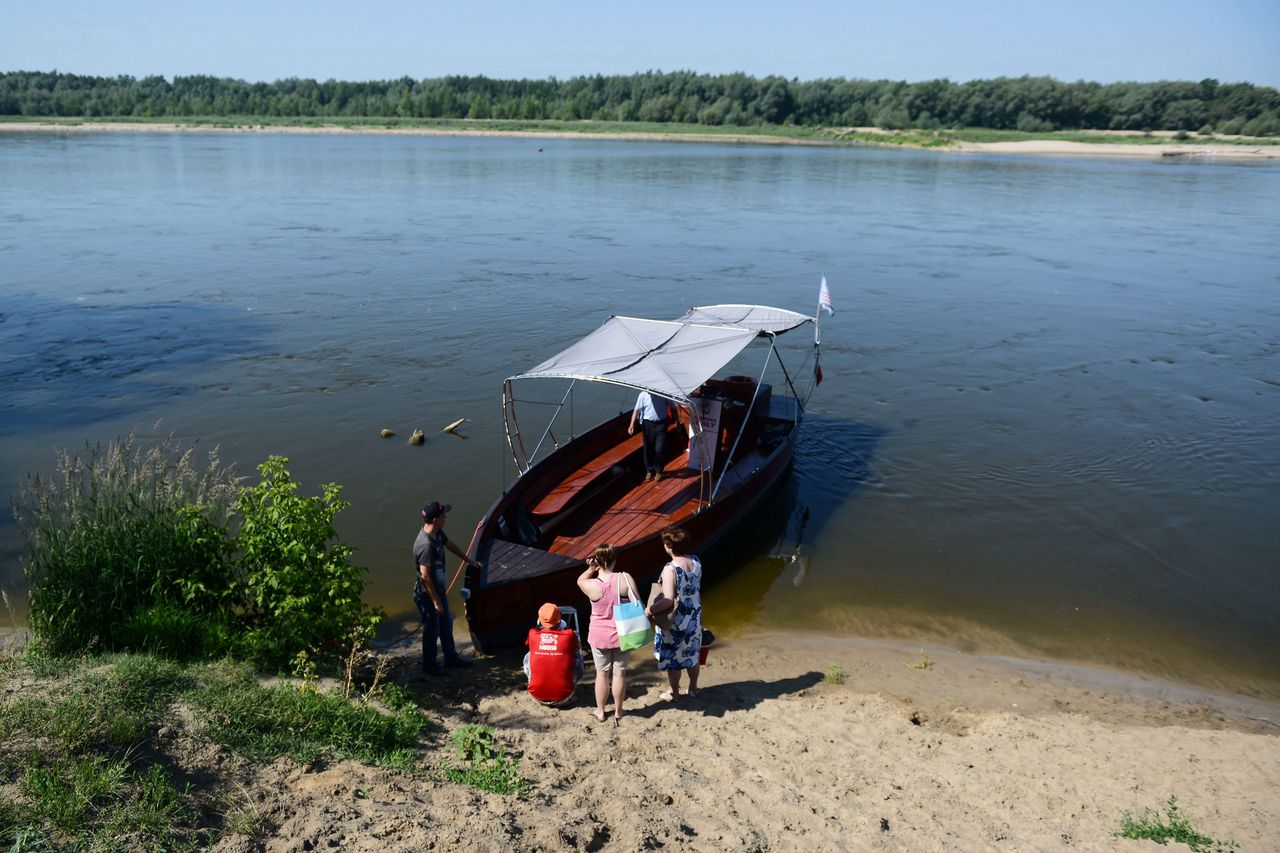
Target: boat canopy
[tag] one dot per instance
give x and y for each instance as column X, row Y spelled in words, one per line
column 760, row 318
column 671, row 358
column 668, row 358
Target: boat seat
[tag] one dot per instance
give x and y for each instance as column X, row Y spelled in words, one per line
column 563, row 494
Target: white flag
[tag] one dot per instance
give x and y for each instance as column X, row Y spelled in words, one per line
column 824, row 298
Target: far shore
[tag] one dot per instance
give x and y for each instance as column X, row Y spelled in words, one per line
column 1164, row 146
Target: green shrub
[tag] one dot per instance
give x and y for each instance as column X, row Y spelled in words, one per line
column 170, row 631
column 131, row 550
column 120, row 531
column 299, row 589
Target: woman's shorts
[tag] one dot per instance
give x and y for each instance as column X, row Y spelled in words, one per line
column 607, row 659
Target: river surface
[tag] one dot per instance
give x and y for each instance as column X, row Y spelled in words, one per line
column 1050, row 420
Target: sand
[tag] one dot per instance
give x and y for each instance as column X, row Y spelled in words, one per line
column 1164, row 149
column 969, row 753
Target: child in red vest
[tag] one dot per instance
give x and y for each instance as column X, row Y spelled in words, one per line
column 554, row 662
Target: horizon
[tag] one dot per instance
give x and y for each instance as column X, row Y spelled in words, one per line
column 1137, row 42
column 169, row 78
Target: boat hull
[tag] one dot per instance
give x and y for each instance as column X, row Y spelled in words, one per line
column 499, row 615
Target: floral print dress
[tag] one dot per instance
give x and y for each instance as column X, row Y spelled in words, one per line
column 679, row 647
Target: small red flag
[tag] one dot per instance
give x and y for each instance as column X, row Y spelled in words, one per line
column 817, row 374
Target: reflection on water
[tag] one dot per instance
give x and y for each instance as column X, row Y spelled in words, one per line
column 1051, row 417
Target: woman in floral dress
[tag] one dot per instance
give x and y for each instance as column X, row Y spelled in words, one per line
column 677, row 649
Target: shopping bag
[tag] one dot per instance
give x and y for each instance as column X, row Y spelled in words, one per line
column 661, row 617
column 633, row 626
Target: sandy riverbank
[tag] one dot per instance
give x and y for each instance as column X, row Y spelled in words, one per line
column 1050, row 147
column 970, row 753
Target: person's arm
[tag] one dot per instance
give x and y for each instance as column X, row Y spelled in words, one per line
column 589, row 583
column 424, row 575
column 669, row 582
column 631, row 427
column 460, row 553
column 667, row 600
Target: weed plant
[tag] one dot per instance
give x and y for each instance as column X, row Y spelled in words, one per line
column 485, row 763
column 834, row 674
column 1173, row 825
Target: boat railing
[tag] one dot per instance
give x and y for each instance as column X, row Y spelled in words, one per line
column 746, row 419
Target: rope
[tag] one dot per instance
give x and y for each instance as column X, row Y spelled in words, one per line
column 415, row 631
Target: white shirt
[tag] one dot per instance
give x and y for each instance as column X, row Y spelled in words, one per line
column 652, row 410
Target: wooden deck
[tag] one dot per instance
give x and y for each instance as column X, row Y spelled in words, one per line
column 509, row 562
column 643, row 509
column 572, row 487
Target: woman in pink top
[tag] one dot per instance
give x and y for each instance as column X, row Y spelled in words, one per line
column 605, row 588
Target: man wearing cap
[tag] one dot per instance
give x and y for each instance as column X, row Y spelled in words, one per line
column 429, row 592
column 554, row 662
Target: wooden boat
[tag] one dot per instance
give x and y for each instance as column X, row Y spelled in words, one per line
column 733, row 442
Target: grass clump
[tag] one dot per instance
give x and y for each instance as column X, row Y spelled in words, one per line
column 834, row 674
column 118, row 532
column 100, row 804
column 1173, row 825
column 485, row 763
column 70, row 776
column 113, row 706
column 305, row 724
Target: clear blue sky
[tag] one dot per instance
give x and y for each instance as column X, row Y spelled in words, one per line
column 1231, row 40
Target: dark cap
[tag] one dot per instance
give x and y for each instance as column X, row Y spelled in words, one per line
column 434, row 510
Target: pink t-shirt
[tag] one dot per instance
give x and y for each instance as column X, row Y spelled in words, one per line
column 603, row 633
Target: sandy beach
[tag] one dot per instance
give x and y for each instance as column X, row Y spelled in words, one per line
column 1048, row 147
column 969, row 753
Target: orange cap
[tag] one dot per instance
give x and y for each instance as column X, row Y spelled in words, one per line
column 549, row 615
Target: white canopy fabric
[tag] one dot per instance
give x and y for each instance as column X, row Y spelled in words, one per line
column 760, row 318
column 671, row 359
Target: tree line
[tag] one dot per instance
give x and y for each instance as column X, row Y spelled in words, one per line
column 1005, row 103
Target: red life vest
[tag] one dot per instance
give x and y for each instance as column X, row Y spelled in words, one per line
column 551, row 657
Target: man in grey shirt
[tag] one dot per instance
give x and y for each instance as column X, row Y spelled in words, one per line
column 429, row 591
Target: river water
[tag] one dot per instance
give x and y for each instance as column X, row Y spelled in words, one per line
column 1050, row 421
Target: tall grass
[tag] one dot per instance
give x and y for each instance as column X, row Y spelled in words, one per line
column 121, row 542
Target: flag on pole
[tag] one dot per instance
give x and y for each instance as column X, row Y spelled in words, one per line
column 824, row 298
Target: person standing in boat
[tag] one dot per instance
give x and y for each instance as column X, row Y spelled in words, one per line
column 605, row 587
column 678, row 647
column 654, row 414
column 430, row 591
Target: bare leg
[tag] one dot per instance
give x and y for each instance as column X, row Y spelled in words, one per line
column 673, row 677
column 619, row 692
column 693, row 679
column 602, row 692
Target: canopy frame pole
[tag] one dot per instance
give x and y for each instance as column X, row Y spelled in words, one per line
column 746, row 418
column 550, row 424
column 798, row 415
column 511, row 427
